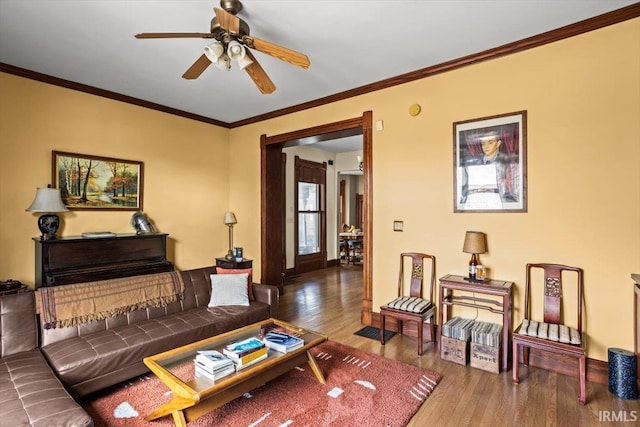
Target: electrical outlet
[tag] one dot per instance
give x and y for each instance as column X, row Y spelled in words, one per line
column 398, row 225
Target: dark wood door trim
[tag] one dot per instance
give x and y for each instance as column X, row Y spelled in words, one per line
column 271, row 223
column 284, row 217
column 367, row 226
column 359, row 205
column 343, row 204
column 272, row 226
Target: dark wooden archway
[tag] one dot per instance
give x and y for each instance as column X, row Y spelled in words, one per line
column 271, row 194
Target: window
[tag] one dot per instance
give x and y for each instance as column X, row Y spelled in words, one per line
column 308, row 218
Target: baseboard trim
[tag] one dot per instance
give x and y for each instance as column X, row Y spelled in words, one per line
column 597, row 370
column 408, row 328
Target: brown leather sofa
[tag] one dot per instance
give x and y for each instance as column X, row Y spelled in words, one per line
column 30, row 393
column 98, row 354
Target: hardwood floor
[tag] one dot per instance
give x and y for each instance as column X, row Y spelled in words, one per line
column 329, row 301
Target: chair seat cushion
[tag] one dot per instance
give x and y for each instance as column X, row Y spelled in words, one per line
column 550, row 331
column 410, row 304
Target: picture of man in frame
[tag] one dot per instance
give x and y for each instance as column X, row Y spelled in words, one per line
column 490, row 167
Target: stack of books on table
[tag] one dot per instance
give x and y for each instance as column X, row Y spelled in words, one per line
column 213, row 365
column 246, row 352
column 282, row 342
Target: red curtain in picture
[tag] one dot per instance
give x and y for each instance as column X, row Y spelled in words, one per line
column 510, row 138
column 509, row 134
column 472, row 139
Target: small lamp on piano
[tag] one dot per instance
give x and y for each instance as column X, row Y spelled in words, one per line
column 475, row 242
column 230, row 220
column 49, row 201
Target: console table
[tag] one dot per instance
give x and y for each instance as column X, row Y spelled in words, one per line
column 502, row 289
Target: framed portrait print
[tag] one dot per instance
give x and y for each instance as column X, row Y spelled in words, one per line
column 97, row 183
column 490, row 164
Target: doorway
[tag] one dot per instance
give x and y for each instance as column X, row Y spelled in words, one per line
column 272, row 221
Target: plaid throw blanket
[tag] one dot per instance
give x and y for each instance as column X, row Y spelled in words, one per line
column 70, row 305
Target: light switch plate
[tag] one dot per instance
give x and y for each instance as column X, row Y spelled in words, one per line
column 398, row 225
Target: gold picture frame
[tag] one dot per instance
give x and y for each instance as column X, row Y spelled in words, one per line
column 90, row 182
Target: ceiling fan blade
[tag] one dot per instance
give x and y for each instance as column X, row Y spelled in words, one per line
column 227, row 21
column 291, row 56
column 197, row 68
column 259, row 77
column 173, row 35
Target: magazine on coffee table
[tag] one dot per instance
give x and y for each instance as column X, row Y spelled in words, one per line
column 242, row 348
column 213, row 360
column 282, row 342
column 212, row 364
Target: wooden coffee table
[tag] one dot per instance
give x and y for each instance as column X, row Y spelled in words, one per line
column 194, row 397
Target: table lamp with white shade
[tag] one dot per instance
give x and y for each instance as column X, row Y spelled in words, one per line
column 49, row 201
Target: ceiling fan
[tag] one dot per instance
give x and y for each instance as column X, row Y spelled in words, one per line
column 231, row 40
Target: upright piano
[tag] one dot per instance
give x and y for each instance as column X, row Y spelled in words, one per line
column 79, row 259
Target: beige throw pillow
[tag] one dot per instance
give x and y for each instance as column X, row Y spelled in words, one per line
column 229, row 289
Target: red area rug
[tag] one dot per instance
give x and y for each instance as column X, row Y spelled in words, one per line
column 362, row 389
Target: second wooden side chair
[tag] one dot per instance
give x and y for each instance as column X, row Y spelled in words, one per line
column 550, row 333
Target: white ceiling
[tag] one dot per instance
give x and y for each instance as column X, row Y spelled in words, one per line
column 350, row 43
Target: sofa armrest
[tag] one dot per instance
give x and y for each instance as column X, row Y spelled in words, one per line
column 269, row 295
column 18, row 330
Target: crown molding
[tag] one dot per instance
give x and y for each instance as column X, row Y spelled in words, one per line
column 68, row 84
column 591, row 24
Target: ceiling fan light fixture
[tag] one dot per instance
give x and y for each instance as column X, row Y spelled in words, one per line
column 224, row 62
column 214, row 51
column 244, row 62
column 235, row 50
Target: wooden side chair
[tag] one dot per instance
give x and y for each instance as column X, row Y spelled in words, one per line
column 412, row 306
column 550, row 334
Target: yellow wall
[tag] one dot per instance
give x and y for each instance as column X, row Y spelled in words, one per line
column 186, row 170
column 582, row 96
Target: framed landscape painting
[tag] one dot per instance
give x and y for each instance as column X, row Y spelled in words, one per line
column 490, row 164
column 98, row 183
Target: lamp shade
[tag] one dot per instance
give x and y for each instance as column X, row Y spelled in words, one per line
column 235, row 50
column 475, row 242
column 214, row 51
column 224, row 63
column 230, row 218
column 244, row 62
column 47, row 200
